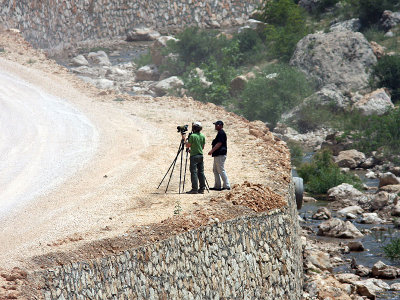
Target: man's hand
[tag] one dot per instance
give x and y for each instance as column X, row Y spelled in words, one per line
column 210, row 153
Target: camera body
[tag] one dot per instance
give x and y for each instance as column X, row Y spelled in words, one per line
column 182, row 129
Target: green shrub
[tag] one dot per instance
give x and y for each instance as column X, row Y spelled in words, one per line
column 371, row 133
column 267, row 98
column 286, row 26
column 392, row 249
column 218, row 91
column 387, row 73
column 195, row 46
column 322, row 173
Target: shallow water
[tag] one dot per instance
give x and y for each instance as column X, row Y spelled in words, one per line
column 372, row 243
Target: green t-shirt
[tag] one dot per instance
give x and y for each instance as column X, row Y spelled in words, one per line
column 197, row 141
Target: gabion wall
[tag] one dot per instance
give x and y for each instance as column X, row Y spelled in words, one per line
column 253, row 257
column 57, row 23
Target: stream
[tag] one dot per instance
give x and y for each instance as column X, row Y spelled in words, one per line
column 372, row 242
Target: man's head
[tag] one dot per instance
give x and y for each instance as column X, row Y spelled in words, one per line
column 196, row 127
column 218, row 125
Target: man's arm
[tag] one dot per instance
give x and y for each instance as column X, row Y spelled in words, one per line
column 215, row 148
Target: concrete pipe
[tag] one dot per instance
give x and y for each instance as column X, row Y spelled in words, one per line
column 298, row 191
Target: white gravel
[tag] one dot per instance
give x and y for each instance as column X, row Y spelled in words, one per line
column 43, row 140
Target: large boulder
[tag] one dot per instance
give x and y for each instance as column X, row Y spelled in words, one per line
column 164, row 86
column 343, row 58
column 370, row 287
column 381, row 270
column 388, row 179
column 375, row 103
column 381, row 200
column 339, row 229
column 346, row 191
column 350, row 159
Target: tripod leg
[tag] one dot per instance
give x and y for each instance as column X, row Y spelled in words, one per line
column 180, row 173
column 207, row 186
column 184, row 177
column 173, row 162
column 172, row 171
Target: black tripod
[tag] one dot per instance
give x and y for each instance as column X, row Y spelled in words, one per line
column 180, row 151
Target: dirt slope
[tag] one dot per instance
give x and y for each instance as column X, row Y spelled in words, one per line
column 113, row 202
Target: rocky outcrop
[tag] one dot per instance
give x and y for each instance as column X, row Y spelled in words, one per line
column 342, row 58
column 375, row 103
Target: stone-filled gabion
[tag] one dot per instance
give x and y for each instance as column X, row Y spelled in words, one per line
column 252, row 257
column 56, row 23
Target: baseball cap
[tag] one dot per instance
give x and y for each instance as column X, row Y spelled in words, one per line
column 219, row 123
column 196, row 124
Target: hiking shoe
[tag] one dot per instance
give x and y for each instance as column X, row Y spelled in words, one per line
column 192, row 192
column 215, row 189
column 201, row 191
column 227, row 188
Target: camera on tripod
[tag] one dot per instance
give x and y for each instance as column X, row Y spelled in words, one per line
column 182, row 129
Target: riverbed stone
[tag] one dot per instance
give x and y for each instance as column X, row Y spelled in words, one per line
column 322, row 214
column 371, row 218
column 388, row 178
column 346, row 191
column 381, row 270
column 355, row 246
column 354, row 209
column 339, row 229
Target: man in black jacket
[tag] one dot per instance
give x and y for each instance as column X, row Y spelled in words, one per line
column 218, row 151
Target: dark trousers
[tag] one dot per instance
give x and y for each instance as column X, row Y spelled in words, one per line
column 197, row 172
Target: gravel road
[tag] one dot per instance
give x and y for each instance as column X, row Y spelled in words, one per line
column 43, row 140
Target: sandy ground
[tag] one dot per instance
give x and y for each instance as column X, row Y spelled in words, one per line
column 95, row 163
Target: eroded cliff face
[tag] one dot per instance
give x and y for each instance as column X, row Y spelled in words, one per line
column 54, row 24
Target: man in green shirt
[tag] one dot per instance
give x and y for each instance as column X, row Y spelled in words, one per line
column 195, row 144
